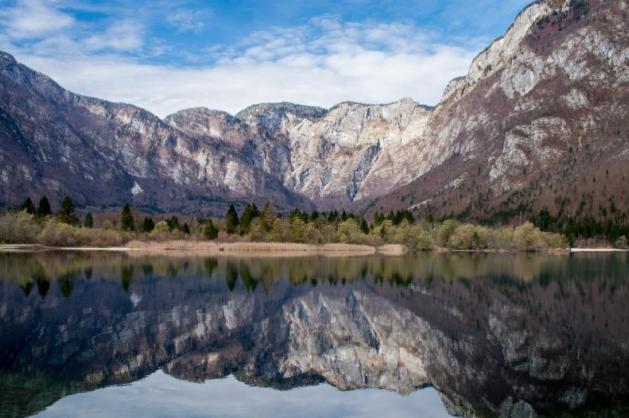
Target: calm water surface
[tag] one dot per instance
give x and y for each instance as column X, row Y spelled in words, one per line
column 427, row 335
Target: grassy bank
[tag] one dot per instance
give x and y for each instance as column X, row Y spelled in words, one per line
column 292, row 233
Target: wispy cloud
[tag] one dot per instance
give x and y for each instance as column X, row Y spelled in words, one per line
column 189, row 20
column 321, row 62
column 34, row 18
column 120, row 36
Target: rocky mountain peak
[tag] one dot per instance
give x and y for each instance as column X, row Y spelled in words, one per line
column 505, row 47
column 6, row 59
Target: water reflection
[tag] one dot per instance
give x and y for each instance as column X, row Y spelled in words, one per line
column 495, row 334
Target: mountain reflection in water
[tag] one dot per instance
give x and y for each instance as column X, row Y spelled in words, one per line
column 494, row 334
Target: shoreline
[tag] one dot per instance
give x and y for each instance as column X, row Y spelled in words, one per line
column 272, row 249
column 255, row 249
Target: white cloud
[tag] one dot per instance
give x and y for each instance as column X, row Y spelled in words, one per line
column 189, row 20
column 34, row 18
column 121, row 36
column 322, row 63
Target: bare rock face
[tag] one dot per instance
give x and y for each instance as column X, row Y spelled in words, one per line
column 333, row 157
column 56, row 143
column 539, row 121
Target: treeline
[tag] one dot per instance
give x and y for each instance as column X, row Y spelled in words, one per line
column 611, row 226
column 38, row 224
column 396, row 227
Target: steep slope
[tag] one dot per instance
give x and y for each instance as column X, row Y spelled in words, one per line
column 103, row 153
column 335, row 158
column 539, row 121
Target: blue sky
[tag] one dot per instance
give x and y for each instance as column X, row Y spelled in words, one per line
column 168, row 55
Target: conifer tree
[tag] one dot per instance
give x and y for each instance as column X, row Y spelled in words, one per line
column 231, row 220
column 44, row 207
column 126, row 219
column 173, row 223
column 210, row 231
column 28, row 206
column 88, row 221
column 248, row 215
column 268, row 216
column 66, row 213
column 364, row 226
column 147, row 224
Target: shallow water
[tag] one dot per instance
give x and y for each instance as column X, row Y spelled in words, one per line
column 107, row 334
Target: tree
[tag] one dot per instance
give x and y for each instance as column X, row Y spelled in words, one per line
column 210, row 231
column 173, row 223
column 28, row 206
column 88, row 221
column 185, row 228
column 364, row 227
column 147, row 224
column 231, row 220
column 126, row 219
column 248, row 215
column 66, row 213
column 44, row 207
column 268, row 216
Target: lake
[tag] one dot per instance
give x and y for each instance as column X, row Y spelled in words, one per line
column 102, row 334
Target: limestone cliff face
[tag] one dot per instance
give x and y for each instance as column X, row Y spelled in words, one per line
column 103, row 153
column 333, row 157
column 540, row 120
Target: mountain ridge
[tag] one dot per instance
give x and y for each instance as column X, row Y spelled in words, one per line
column 530, row 103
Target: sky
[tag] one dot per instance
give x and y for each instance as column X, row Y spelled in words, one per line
column 170, row 55
column 162, row 396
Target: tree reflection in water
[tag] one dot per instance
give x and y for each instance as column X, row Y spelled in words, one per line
column 495, row 334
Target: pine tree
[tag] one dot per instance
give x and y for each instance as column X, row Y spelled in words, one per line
column 173, row 223
column 248, row 215
column 44, row 207
column 268, row 216
column 147, row 224
column 66, row 213
column 231, row 220
column 209, row 231
column 126, row 219
column 28, row 206
column 364, row 226
column 88, row 222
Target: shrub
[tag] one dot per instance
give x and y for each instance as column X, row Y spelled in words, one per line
column 349, row 231
column 622, row 242
column 60, row 234
column 18, row 228
column 469, row 237
column 527, row 237
column 445, row 231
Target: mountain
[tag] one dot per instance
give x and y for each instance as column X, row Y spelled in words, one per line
column 539, row 121
column 102, row 154
column 333, row 157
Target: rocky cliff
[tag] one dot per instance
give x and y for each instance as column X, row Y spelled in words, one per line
column 539, row 121
column 101, row 153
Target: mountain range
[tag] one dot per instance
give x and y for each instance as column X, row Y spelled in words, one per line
column 539, row 121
